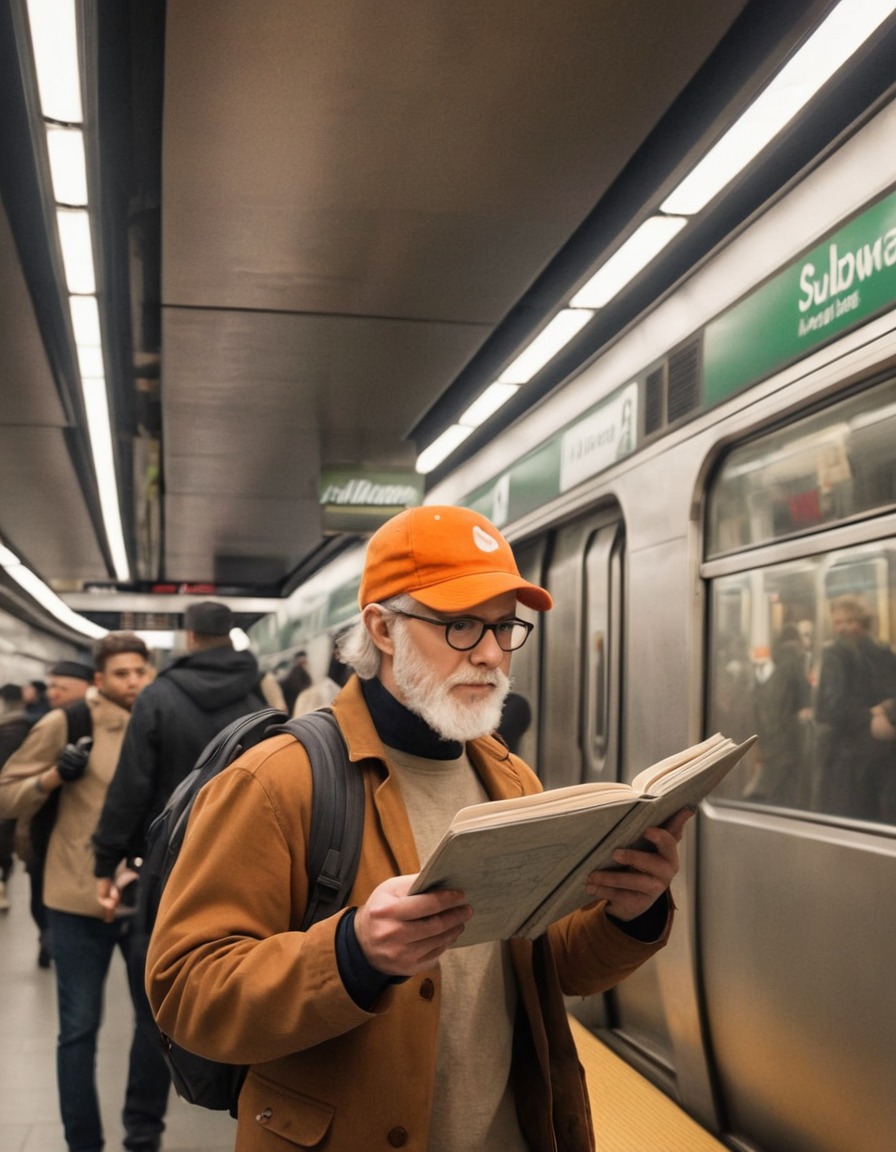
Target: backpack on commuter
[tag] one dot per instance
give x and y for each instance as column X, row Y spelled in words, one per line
column 337, row 817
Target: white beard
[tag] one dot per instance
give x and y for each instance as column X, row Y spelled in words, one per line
column 430, row 697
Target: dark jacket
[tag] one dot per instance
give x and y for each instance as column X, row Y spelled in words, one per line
column 172, row 721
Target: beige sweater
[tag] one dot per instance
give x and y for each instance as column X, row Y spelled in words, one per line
column 69, row 883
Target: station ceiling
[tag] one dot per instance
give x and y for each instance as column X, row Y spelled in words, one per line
column 322, row 227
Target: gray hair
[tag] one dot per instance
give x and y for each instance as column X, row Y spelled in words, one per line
column 356, row 646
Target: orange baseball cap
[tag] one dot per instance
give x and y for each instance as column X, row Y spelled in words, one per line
column 448, row 558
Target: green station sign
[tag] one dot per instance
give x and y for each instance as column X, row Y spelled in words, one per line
column 834, row 287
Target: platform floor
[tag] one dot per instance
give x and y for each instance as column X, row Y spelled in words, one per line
column 29, row 1108
column 630, row 1115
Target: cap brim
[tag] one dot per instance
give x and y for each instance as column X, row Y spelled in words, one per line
column 466, row 592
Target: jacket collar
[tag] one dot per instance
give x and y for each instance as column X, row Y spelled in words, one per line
column 488, row 755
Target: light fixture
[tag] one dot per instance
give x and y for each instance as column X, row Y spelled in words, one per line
column 837, row 38
column 77, row 249
column 54, row 38
column 54, row 35
column 442, row 447
column 545, row 346
column 644, row 244
column 65, row 148
column 85, row 319
column 97, row 408
column 493, row 398
column 45, row 596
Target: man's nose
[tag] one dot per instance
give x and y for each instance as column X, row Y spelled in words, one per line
column 488, row 650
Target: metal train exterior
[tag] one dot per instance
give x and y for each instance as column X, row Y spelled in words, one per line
column 705, row 487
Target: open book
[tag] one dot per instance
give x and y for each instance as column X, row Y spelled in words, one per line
column 522, row 863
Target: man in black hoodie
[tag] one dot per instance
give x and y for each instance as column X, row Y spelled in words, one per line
column 172, row 721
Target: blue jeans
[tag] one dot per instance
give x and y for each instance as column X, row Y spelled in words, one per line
column 82, row 953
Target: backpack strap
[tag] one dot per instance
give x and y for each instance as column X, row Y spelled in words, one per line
column 79, row 719
column 337, row 813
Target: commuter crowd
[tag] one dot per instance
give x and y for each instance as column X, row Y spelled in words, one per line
column 88, row 759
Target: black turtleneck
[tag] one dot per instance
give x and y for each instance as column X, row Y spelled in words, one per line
column 400, row 728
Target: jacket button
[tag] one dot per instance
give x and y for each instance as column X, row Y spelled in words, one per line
column 264, row 1116
column 398, row 1137
column 427, row 989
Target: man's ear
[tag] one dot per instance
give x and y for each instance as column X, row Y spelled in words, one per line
column 375, row 622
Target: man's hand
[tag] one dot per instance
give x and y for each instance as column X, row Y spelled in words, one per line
column 108, row 894
column 401, row 935
column 73, row 759
column 644, row 876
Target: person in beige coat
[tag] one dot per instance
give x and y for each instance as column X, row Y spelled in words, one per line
column 369, row 1030
column 46, row 767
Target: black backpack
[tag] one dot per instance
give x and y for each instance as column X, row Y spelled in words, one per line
column 79, row 722
column 337, row 817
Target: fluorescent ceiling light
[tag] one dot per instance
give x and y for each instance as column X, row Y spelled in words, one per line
column 97, row 407
column 90, row 361
column 54, row 38
column 545, row 346
column 65, row 148
column 77, row 251
column 45, row 595
column 836, row 39
column 432, row 456
column 634, row 255
column 493, row 398
column 85, row 319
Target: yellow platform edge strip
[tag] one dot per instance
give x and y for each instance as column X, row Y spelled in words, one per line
column 630, row 1114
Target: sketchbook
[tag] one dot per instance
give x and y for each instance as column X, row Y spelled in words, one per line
column 522, row 863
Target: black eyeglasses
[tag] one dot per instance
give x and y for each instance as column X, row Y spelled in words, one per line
column 465, row 632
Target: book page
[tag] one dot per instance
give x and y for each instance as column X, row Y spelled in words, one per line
column 504, row 870
column 686, row 762
column 650, row 812
column 541, row 804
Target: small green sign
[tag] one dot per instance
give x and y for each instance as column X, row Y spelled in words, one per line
column 353, row 501
column 834, row 287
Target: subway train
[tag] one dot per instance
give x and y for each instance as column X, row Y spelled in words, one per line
column 702, row 500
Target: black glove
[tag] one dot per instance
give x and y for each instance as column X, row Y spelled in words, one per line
column 73, row 761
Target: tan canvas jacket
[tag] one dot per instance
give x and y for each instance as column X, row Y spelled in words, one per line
column 69, row 884
column 230, row 977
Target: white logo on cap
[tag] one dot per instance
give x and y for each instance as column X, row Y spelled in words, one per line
column 483, row 541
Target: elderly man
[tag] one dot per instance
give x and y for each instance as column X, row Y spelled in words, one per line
column 369, row 1030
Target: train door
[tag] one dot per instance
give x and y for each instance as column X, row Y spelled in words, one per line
column 797, row 864
column 581, row 654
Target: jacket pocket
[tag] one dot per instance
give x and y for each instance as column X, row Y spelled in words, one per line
column 301, row 1120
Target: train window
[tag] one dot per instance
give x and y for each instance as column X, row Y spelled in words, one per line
column 825, row 469
column 801, row 653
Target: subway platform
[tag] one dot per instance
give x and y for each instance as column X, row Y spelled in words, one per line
column 630, row 1114
column 29, row 1107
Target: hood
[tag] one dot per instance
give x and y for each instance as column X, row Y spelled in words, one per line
column 216, row 678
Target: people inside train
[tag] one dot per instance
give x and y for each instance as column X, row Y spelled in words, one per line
column 186, row 705
column 857, row 684
column 53, row 768
column 781, row 710
column 369, row 1029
